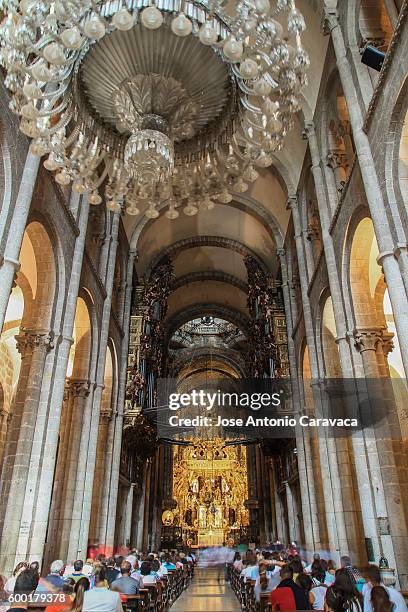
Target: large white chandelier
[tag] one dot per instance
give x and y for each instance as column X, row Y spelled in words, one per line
column 166, row 103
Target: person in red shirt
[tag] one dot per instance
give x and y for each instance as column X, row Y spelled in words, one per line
column 288, row 595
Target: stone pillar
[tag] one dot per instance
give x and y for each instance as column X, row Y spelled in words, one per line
column 10, row 262
column 306, row 477
column 396, row 284
column 141, row 509
column 128, row 515
column 34, row 345
column 44, row 474
column 293, row 536
column 327, row 450
column 117, row 442
column 330, row 256
column 80, row 391
column 362, row 469
column 102, row 479
column 146, row 506
column 79, row 536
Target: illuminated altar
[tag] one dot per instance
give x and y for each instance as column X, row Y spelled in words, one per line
column 210, row 488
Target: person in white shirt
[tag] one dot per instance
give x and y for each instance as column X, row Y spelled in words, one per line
column 100, row 598
column 372, row 576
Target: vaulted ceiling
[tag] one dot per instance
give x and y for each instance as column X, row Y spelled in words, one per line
column 208, row 249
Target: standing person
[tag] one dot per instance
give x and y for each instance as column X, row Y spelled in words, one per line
column 100, row 598
column 372, row 575
column 125, row 583
column 26, row 583
column 288, row 595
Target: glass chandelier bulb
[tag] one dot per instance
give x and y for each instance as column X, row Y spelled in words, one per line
column 54, row 54
column 29, row 111
column 225, row 197
column 38, row 147
column 123, row 20
column 94, row 198
column 63, row 178
column 60, row 12
column 233, row 49
column 94, row 28
column 207, row 34
column 50, row 163
column 71, row 38
column 250, row 24
column 151, row 18
column 262, row 87
column 41, row 72
column 113, row 206
column 262, row 6
column 151, row 213
column 78, row 187
column 32, row 91
column 248, row 69
column 190, row 210
column 172, row 213
column 181, row 25
column 132, row 211
column 269, row 107
column 239, row 186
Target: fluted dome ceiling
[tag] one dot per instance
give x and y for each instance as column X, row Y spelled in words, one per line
column 204, row 80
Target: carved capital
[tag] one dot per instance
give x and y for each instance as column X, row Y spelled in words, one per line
column 281, row 253
column 367, row 339
column 330, row 20
column 292, row 202
column 309, row 130
column 29, row 339
column 337, row 159
column 79, row 388
column 387, row 342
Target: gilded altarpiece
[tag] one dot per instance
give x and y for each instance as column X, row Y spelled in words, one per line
column 210, row 487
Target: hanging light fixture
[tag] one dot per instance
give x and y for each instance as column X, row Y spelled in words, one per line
column 171, row 102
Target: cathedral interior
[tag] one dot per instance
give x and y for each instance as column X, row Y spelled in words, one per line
column 172, row 208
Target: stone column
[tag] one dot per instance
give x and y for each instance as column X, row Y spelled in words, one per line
column 128, row 515
column 396, row 284
column 102, row 479
column 10, row 262
column 327, row 447
column 79, row 536
column 141, row 509
column 362, row 470
column 35, row 345
column 44, row 474
column 80, row 391
column 293, row 536
column 146, row 506
column 306, row 478
column 117, row 441
column 330, row 256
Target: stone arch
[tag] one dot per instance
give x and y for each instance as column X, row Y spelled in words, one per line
column 396, row 161
column 197, row 241
column 217, row 310
column 82, row 347
column 326, row 337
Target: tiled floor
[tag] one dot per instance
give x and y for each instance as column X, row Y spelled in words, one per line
column 208, row 592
